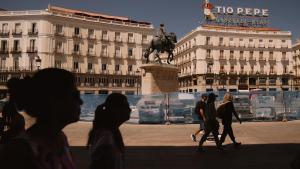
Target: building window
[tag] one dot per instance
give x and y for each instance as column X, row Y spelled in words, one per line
column 251, row 54
column 283, row 41
column 230, row 39
column 5, row 27
column 232, row 69
column 283, row 55
column 118, row 52
column 271, row 55
column 130, row 52
column 207, row 40
column 129, row 68
column 222, row 54
column 285, row 69
column 18, row 29
column 91, row 32
column 285, row 81
column 208, row 51
column 252, row 81
column 4, row 45
column 16, row 63
column 118, row 36
column 250, row 40
column 76, row 31
column 221, row 41
column 32, row 44
column 262, row 81
column 241, row 54
column 75, row 65
column 16, row 45
column 117, row 67
column 76, row 47
column 3, row 63
column 104, row 35
column 90, row 66
column 57, row 63
column 103, row 67
column 144, row 39
column 209, row 68
column 58, row 29
column 209, row 81
column 232, row 81
column 130, row 38
column 222, row 69
column 231, row 54
column 104, row 50
column 272, row 81
column 33, row 30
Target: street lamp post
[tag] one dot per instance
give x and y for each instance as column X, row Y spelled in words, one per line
column 137, row 81
column 38, row 62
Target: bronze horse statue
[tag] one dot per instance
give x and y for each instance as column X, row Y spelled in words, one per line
column 160, row 45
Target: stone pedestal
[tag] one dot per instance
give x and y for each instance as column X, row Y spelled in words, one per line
column 159, row 78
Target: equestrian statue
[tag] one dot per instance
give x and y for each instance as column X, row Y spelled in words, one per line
column 162, row 43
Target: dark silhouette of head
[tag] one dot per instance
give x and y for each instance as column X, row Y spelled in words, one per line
column 211, row 98
column 113, row 112
column 50, row 96
column 110, row 115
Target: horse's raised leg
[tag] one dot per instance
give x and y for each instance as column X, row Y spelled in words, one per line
column 159, row 60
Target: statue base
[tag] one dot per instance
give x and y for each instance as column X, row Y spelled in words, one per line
column 159, row 78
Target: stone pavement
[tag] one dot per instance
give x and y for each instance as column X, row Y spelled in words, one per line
column 265, row 145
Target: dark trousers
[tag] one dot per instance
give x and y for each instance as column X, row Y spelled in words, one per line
column 227, row 129
column 206, row 134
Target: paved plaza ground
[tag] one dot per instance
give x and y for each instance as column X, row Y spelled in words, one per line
column 265, row 145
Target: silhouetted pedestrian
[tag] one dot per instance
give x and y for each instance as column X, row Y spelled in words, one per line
column 200, row 111
column 227, row 109
column 52, row 98
column 210, row 121
column 105, row 140
column 13, row 122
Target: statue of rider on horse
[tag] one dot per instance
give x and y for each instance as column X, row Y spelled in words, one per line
column 164, row 42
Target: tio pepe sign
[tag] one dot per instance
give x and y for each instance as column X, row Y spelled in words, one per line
column 230, row 16
column 242, row 11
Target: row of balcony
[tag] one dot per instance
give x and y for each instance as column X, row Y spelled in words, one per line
column 17, row 69
column 18, row 50
column 250, row 44
column 100, row 84
column 18, row 32
column 232, row 72
column 104, row 38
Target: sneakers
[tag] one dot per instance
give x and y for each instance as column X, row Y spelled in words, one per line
column 202, row 132
column 193, row 136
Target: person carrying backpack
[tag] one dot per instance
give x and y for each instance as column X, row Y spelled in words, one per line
column 199, row 110
column 210, row 122
column 225, row 111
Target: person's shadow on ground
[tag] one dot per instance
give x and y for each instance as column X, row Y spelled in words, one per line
column 271, row 156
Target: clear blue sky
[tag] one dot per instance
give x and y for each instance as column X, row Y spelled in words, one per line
column 180, row 16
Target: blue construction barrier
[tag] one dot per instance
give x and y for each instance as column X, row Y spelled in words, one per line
column 179, row 107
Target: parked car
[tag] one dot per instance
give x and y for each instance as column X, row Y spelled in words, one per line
column 243, row 107
column 150, row 111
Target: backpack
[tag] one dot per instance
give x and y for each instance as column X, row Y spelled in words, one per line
column 197, row 110
column 221, row 110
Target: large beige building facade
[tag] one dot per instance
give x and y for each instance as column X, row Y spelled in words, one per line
column 219, row 58
column 296, row 59
column 103, row 51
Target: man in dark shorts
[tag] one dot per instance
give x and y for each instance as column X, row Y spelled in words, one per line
column 199, row 110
